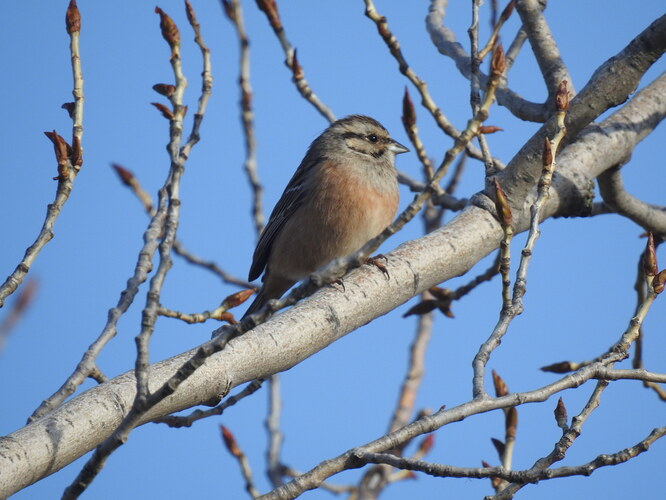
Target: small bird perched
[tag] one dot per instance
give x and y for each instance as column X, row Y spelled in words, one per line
column 343, row 194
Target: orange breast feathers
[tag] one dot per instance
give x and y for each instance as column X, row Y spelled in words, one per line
column 364, row 206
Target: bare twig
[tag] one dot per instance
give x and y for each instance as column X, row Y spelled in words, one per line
column 544, row 47
column 276, row 470
column 445, row 41
column 516, row 308
column 169, row 206
column 68, row 157
column 188, row 420
column 234, row 12
column 525, row 476
column 269, row 7
column 426, row 99
column 130, row 180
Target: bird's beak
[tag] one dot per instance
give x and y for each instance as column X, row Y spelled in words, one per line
column 397, row 148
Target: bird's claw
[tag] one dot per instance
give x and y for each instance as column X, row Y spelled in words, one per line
column 375, row 262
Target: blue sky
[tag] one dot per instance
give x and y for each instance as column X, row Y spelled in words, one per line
column 579, row 298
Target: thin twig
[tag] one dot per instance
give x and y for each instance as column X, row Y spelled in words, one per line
column 269, row 7
column 516, row 308
column 188, row 420
column 275, row 468
column 524, row 476
column 234, row 12
column 168, row 205
column 426, row 99
column 69, row 158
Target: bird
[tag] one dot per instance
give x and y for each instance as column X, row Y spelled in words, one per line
column 343, row 194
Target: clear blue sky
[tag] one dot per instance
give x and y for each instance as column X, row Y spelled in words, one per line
column 579, row 297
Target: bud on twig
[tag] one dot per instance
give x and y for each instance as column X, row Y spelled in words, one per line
column 73, row 18
column 658, row 282
column 500, row 387
column 166, row 112
column 561, row 367
column 498, row 62
column 230, row 442
column 499, row 446
column 61, row 149
column 650, row 257
column 269, row 7
column 408, row 112
column 506, row 13
column 229, row 10
column 562, row 97
column 502, row 205
column 164, row 89
column 561, row 414
column 296, row 67
column 423, row 307
column 489, row 129
column 511, row 425
column 126, row 177
column 191, row 17
column 236, row 299
column 169, row 29
column 69, row 107
column 76, row 155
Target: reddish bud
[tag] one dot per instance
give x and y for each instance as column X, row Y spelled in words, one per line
column 69, row 107
column 73, row 18
column 169, row 29
column 561, row 367
column 61, row 149
column 508, row 10
column 486, row 464
column 446, row 311
column 126, row 177
column 511, row 425
column 228, row 317
column 164, row 89
column 489, row 129
column 658, row 282
column 408, row 112
column 76, row 155
column 166, row 112
column 191, row 17
column 296, row 67
column 498, row 62
column 562, row 97
column 502, row 205
column 650, row 257
column 561, row 414
column 500, row 387
column 236, row 299
column 499, row 446
column 423, row 307
column 269, row 7
column 230, row 442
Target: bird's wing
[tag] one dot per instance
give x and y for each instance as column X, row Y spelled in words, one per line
column 291, row 199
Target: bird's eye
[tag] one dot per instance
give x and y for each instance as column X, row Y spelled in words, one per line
column 372, row 138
